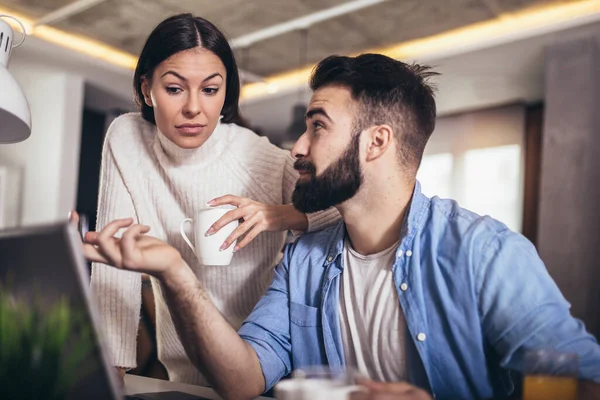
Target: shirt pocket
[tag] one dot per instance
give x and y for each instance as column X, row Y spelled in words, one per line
column 303, row 315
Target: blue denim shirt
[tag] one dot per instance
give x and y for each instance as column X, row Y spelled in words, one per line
column 475, row 295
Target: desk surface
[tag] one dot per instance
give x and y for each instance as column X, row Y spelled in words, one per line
column 138, row 384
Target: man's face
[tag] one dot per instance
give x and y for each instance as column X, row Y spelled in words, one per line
column 328, row 153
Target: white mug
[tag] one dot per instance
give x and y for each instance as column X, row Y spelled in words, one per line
column 313, row 389
column 207, row 248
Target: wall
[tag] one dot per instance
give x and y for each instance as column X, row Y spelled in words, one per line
column 57, row 82
column 49, row 158
column 569, row 217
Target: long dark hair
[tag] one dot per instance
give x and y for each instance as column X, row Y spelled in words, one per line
column 183, row 32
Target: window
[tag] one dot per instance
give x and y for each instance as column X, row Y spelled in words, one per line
column 477, row 159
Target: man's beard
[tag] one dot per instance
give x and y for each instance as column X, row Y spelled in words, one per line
column 338, row 183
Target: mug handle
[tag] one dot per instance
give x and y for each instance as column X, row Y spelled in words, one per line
column 182, row 231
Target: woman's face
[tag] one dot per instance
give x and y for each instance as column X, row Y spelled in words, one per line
column 187, row 93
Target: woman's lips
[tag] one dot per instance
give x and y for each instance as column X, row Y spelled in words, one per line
column 190, row 129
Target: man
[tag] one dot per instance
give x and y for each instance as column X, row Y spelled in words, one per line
column 406, row 288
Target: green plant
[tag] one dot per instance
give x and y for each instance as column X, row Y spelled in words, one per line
column 44, row 348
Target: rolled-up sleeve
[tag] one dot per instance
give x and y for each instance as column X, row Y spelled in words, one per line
column 523, row 309
column 267, row 328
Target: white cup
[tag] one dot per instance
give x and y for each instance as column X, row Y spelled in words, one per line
column 207, row 248
column 318, row 382
column 313, row 389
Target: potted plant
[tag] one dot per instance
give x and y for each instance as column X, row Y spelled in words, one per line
column 43, row 347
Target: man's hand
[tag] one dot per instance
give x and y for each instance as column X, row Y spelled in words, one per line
column 389, row 391
column 134, row 251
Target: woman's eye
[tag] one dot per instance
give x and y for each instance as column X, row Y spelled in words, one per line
column 210, row 90
column 317, row 125
column 173, row 90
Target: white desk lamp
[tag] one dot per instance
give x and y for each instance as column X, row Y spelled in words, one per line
column 15, row 118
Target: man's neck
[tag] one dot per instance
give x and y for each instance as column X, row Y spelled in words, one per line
column 374, row 217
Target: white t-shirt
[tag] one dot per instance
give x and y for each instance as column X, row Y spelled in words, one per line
column 372, row 322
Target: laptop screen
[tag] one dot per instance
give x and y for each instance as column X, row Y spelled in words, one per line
column 49, row 336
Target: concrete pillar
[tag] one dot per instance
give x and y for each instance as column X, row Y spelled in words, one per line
column 569, row 212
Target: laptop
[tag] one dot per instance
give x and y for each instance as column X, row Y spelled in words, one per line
column 43, row 270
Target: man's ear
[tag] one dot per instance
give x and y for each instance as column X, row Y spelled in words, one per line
column 379, row 141
column 146, row 91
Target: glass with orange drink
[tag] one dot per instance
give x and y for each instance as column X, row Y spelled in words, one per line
column 550, row 375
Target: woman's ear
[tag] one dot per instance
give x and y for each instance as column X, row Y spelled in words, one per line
column 379, row 141
column 146, row 91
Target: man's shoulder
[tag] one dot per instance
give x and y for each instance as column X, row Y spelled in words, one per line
column 317, row 244
column 453, row 227
column 323, row 237
column 447, row 214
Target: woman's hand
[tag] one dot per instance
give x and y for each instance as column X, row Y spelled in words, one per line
column 255, row 218
column 134, row 251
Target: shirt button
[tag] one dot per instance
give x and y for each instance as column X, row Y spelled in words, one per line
column 400, row 253
column 421, row 337
column 330, row 259
column 408, row 253
column 404, row 287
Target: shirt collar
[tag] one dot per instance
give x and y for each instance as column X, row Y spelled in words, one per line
column 413, row 221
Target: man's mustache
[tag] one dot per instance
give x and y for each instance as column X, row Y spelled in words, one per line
column 304, row 165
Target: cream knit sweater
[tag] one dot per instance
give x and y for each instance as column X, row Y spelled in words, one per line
column 149, row 178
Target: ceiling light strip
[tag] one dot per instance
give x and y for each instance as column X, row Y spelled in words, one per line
column 505, row 29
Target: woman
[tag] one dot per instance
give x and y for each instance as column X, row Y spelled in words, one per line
column 187, row 147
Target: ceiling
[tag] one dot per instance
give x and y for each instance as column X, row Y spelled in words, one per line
column 125, row 24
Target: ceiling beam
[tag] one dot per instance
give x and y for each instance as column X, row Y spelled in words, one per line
column 67, row 11
column 493, row 6
column 304, row 22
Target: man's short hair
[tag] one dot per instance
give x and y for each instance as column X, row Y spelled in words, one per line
column 387, row 91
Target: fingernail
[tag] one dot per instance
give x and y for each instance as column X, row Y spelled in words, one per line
column 236, row 248
column 70, row 212
column 223, row 247
column 210, row 231
column 210, row 203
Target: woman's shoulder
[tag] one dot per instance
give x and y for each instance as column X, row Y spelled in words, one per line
column 247, row 144
column 130, row 128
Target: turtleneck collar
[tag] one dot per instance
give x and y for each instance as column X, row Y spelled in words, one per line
column 177, row 156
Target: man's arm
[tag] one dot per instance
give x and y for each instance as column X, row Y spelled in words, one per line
column 522, row 309
column 213, row 346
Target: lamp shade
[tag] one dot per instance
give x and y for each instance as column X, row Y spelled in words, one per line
column 15, row 118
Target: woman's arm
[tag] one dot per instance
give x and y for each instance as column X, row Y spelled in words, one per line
column 257, row 217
